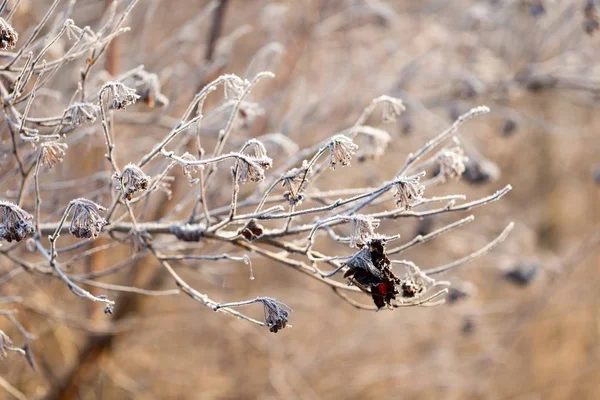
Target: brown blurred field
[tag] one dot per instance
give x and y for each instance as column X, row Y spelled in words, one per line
column 537, row 341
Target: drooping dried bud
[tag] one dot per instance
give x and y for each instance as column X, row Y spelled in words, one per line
column 189, row 170
column 416, row 283
column 292, row 181
column 234, row 87
column 53, row 153
column 341, row 149
column 276, row 313
column 252, row 167
column 148, row 86
column 82, row 113
column 131, row 180
column 15, row 223
column 376, row 142
column 408, row 191
column 451, row 162
column 363, row 229
column 86, row 221
column 8, row 36
column 392, row 109
column 119, row 95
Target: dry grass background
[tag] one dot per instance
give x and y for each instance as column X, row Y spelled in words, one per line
column 541, row 341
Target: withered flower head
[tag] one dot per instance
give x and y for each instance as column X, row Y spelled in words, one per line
column 252, row 167
column 292, row 181
column 81, row 113
column 371, row 268
column 251, row 231
column 234, row 87
column 363, row 229
column 8, row 36
column 132, row 179
column 276, row 313
column 341, row 149
column 408, row 191
column 119, row 95
column 190, row 170
column 148, row 86
column 415, row 283
column 392, row 109
column 15, row 223
column 451, row 162
column 86, row 222
column 53, row 153
column 376, row 142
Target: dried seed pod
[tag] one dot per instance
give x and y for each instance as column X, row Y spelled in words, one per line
column 8, row 36
column 341, row 150
column 131, row 180
column 86, row 221
column 15, row 223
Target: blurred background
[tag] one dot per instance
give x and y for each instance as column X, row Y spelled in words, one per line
column 529, row 327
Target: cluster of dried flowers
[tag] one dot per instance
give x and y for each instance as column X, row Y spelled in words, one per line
column 279, row 211
column 15, row 223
